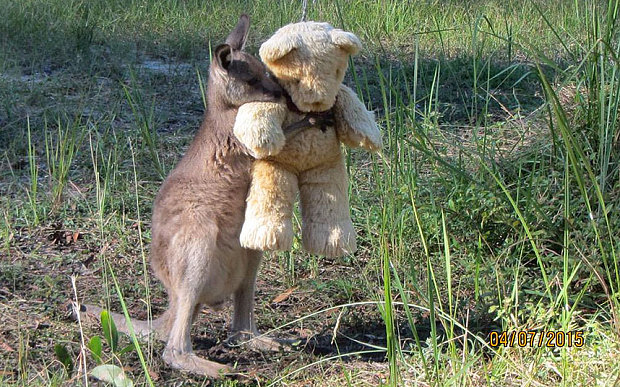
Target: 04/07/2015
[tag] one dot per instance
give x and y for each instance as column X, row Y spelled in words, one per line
column 536, row 339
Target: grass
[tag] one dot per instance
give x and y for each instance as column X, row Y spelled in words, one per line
column 493, row 206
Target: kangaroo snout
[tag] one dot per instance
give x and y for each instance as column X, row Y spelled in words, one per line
column 272, row 88
column 277, row 94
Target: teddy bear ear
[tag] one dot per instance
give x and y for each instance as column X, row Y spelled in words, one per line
column 277, row 48
column 347, row 41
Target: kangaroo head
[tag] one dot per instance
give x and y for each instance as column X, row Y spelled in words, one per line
column 238, row 76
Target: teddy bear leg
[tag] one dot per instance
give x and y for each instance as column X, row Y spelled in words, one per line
column 268, row 221
column 327, row 228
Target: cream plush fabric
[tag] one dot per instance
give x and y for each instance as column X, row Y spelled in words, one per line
column 309, row 59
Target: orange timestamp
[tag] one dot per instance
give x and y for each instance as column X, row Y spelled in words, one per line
column 550, row 339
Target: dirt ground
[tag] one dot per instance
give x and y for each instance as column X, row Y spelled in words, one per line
column 36, row 291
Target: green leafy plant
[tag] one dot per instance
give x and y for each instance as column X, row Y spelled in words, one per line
column 62, row 354
column 112, row 374
column 96, row 349
column 110, row 333
column 104, row 371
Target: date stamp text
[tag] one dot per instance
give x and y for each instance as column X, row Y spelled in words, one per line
column 549, row 339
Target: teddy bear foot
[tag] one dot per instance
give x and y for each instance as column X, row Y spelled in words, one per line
column 330, row 240
column 261, row 234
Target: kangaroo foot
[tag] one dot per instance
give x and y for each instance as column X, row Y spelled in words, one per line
column 258, row 341
column 189, row 362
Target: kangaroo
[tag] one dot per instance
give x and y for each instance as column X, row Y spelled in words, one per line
column 198, row 214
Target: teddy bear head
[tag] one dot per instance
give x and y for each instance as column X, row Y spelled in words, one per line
column 310, row 60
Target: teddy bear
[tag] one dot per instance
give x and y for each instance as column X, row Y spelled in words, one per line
column 309, row 61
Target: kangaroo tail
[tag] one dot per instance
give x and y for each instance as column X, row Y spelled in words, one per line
column 158, row 327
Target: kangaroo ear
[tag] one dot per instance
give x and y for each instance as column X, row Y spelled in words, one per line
column 347, row 41
column 278, row 47
column 222, row 56
column 239, row 35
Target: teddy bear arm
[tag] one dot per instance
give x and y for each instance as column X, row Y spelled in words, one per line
column 258, row 126
column 356, row 126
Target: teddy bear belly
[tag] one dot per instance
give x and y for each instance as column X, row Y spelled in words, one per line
column 309, row 149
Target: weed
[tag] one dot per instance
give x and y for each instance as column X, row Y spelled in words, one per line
column 60, row 151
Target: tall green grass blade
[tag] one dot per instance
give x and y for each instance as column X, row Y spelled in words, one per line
column 134, row 338
column 580, row 165
column 34, row 175
column 145, row 123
